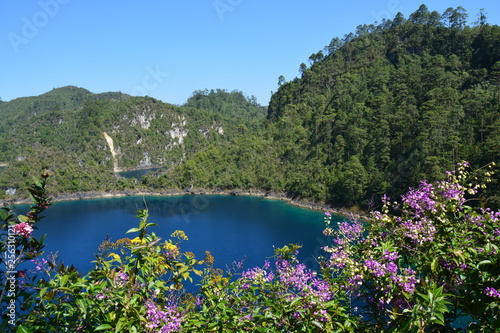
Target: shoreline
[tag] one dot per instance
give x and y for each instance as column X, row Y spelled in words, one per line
column 271, row 195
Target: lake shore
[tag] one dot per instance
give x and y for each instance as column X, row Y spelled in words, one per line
column 272, row 195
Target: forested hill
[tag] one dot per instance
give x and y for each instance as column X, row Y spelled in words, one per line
column 375, row 112
column 389, row 105
column 68, row 99
column 83, row 137
column 234, row 104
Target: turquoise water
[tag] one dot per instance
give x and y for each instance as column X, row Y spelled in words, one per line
column 231, row 228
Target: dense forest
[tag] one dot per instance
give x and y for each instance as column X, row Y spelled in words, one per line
column 374, row 112
column 391, row 104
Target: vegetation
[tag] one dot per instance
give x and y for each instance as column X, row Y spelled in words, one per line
column 233, row 104
column 65, row 131
column 432, row 267
column 373, row 113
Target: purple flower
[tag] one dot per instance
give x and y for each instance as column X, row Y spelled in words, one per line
column 421, row 199
column 338, row 258
column 375, row 267
column 255, row 273
column 247, row 317
column 322, row 315
column 165, row 320
column 39, row 265
column 392, row 268
column 390, row 256
column 420, row 230
column 492, row 292
column 356, row 280
column 122, row 278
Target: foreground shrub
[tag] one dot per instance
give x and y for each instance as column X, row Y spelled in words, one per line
column 432, row 265
column 426, row 263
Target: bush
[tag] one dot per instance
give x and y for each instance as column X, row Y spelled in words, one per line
column 428, row 263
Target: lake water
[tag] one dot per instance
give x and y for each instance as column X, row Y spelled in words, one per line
column 137, row 173
column 231, row 228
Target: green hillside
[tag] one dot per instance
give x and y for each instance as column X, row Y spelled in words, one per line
column 68, row 98
column 391, row 104
column 374, row 113
column 84, row 137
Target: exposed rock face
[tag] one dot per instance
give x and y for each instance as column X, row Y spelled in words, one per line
column 144, row 121
column 146, row 161
column 11, row 191
column 178, row 132
column 111, row 146
column 219, row 130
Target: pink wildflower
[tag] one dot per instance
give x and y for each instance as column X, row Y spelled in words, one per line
column 23, row 229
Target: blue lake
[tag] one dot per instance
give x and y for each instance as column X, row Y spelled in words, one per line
column 231, row 228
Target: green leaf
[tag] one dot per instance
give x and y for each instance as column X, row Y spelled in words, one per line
column 440, row 318
column 64, row 280
column 484, row 262
column 434, row 265
column 22, row 329
column 295, row 300
column 133, row 230
column 122, row 322
column 38, row 182
column 82, row 305
column 4, row 215
column 22, row 218
column 318, row 324
column 183, row 268
column 33, row 199
column 104, row 327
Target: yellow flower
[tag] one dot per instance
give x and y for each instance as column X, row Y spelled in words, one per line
column 179, row 234
column 171, row 248
column 115, row 256
column 137, row 241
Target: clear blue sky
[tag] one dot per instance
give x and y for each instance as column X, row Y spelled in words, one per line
column 167, row 49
